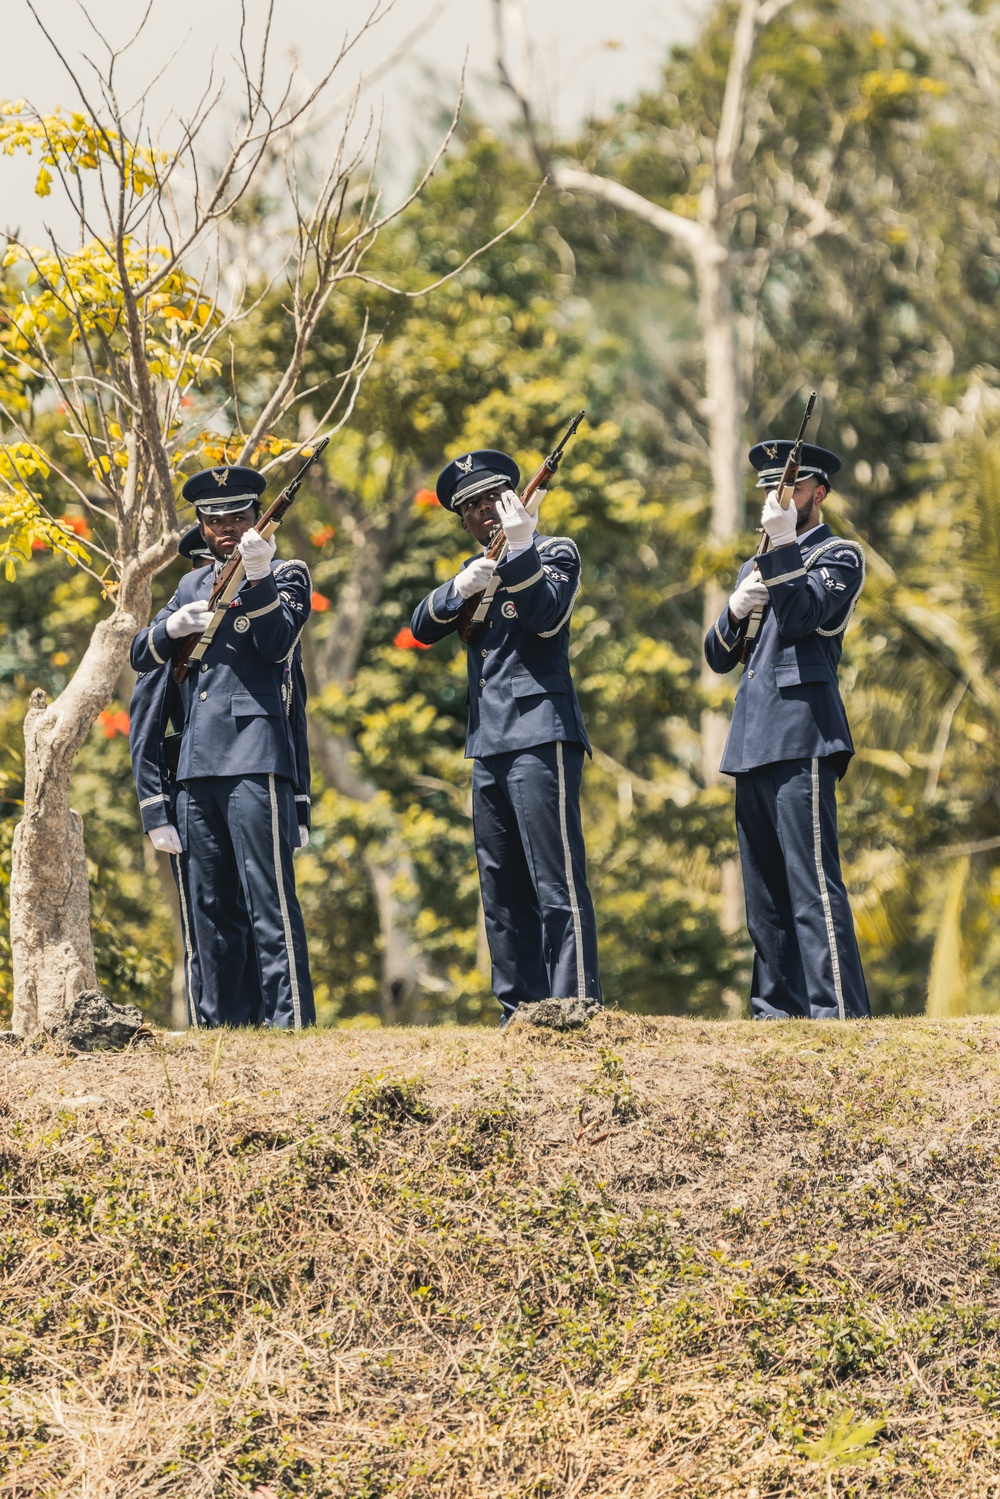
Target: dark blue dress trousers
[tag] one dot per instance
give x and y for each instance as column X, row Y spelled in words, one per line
column 806, row 959
column 244, row 829
column 533, row 874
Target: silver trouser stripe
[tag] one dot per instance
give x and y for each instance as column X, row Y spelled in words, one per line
column 824, row 893
column 517, row 587
column 192, row 1009
column 150, row 801
column 256, row 613
column 152, row 648
column 581, row 978
column 283, row 904
column 799, row 572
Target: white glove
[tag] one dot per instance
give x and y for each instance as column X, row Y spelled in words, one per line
column 303, row 835
column 518, row 526
column 166, row 840
column 256, row 551
column 189, row 619
column 748, row 595
column 779, row 524
column 474, row 578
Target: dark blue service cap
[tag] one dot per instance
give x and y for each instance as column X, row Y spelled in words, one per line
column 769, row 459
column 482, row 469
column 192, row 545
column 222, row 491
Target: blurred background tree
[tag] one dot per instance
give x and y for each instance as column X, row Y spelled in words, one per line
column 890, row 312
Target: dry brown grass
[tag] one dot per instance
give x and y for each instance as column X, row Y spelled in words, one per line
column 660, row 1258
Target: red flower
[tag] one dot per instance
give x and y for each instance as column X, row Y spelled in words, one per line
column 425, row 499
column 322, row 536
column 77, row 524
column 407, row 641
column 113, row 723
column 320, row 602
column 38, row 545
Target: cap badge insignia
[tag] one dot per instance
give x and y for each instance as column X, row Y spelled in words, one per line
column 771, row 452
column 465, row 464
column 220, row 475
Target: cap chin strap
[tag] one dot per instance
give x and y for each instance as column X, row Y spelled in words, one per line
column 469, row 491
column 233, row 509
column 773, row 475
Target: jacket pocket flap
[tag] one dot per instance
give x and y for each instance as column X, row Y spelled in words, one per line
column 250, row 705
column 537, row 683
column 795, row 673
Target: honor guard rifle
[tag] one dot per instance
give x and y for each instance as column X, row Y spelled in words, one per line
column 785, row 488
column 227, row 584
column 475, row 609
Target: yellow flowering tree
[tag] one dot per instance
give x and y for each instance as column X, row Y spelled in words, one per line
column 117, row 342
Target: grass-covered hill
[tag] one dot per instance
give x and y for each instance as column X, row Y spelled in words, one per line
column 655, row 1258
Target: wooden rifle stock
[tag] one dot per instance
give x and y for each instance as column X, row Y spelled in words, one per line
column 227, row 584
column 474, row 609
column 789, row 475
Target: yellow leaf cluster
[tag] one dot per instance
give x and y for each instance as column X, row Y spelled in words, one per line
column 216, row 450
column 24, row 529
column 75, row 143
column 82, row 294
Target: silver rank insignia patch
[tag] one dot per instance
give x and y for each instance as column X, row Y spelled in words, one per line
column 465, row 464
column 507, row 610
column 241, row 625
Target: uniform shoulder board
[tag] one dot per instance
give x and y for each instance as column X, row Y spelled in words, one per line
column 294, row 570
column 555, row 548
column 848, row 553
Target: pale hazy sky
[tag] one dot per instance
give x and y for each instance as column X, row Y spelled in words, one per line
column 584, row 55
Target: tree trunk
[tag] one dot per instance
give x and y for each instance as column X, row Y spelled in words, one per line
column 725, row 410
column 51, row 943
column 725, row 406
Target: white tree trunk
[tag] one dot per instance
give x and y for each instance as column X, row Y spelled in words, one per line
column 725, row 404
column 50, row 937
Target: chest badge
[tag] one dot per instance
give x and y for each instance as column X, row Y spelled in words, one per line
column 507, row 610
column 241, row 624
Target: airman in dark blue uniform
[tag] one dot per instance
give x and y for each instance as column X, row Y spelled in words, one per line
column 526, row 736
column 789, row 744
column 238, row 803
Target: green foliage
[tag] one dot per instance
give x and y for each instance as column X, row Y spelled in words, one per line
column 844, row 1441
column 381, row 1100
column 892, row 314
